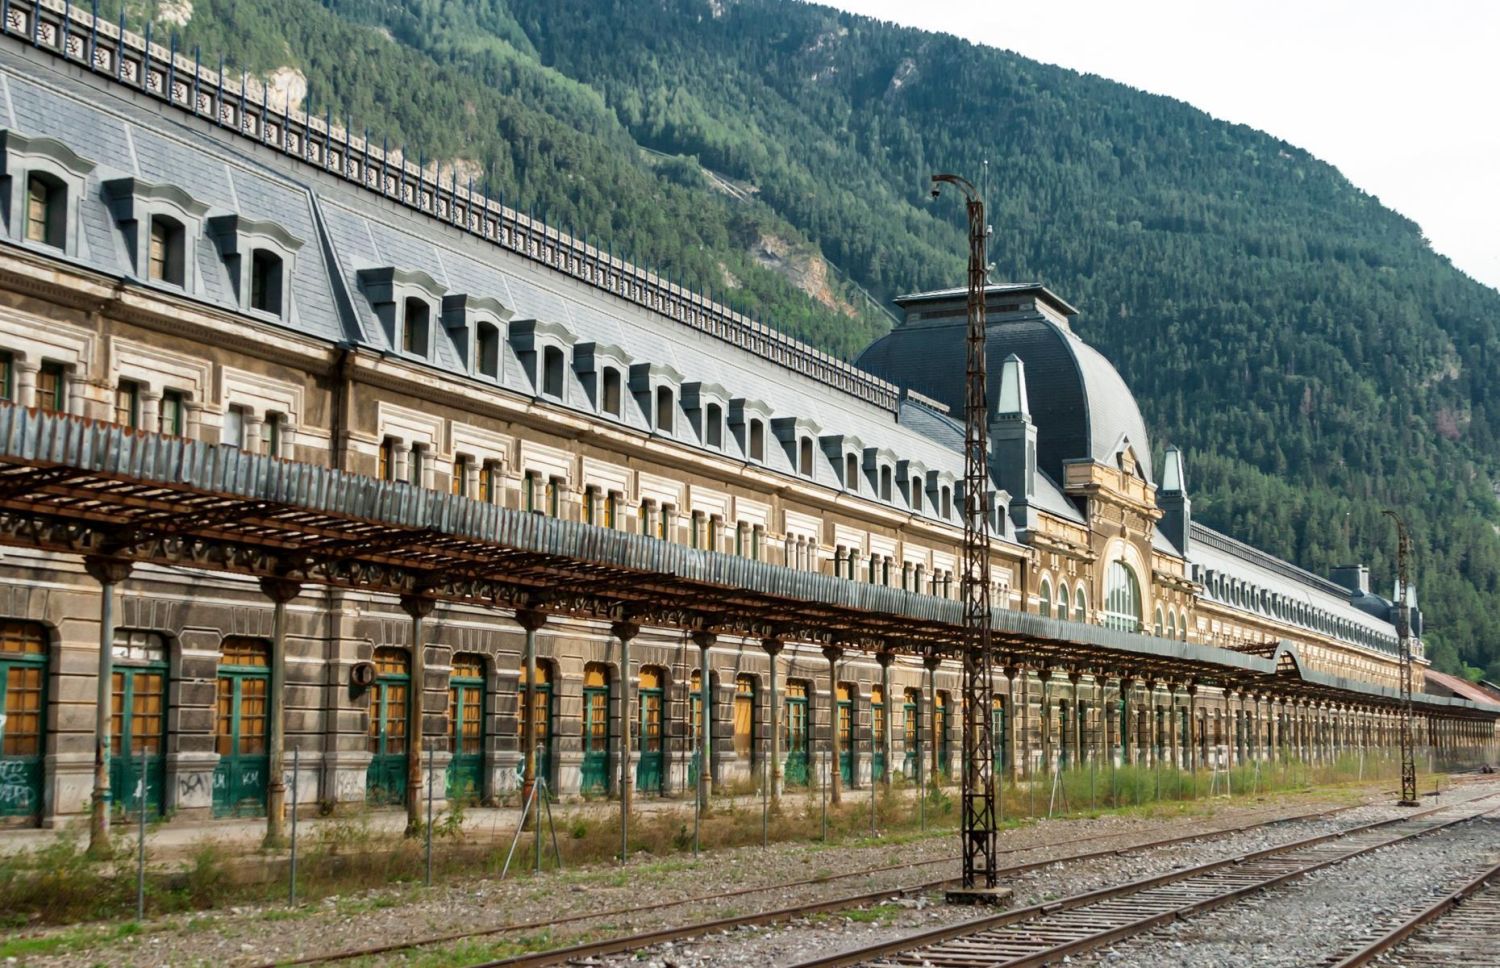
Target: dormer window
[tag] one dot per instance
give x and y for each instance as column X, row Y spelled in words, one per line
column 612, row 392
column 851, row 472
column 916, row 494
column 414, row 326
column 487, row 351
column 552, row 372
column 260, row 257
column 42, row 180
column 265, row 281
column 166, row 259
column 665, row 405
column 946, row 505
column 885, row 484
column 805, row 457
column 758, row 441
column 46, row 210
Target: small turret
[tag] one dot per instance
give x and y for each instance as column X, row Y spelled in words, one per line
column 1176, row 506
column 1013, row 440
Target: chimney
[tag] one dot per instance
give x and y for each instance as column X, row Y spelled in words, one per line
column 1176, row 506
column 1356, row 578
column 1013, row 441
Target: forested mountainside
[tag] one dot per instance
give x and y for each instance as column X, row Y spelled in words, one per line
column 1314, row 356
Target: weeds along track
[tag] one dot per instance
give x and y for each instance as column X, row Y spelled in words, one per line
column 1458, row 930
column 1048, row 933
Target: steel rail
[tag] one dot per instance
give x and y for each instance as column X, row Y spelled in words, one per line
column 624, row 943
column 841, row 903
column 918, row 948
column 1476, row 904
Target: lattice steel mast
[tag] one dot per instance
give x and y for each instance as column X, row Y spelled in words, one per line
column 1403, row 633
column 979, row 751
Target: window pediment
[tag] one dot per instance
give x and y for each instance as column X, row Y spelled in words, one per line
column 591, row 357
column 645, row 377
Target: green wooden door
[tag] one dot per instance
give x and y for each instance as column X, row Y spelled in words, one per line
column 137, row 727
column 596, row 766
column 795, row 769
column 845, row 715
column 243, row 717
column 648, row 770
column 695, row 729
column 23, row 683
column 465, row 780
column 385, row 779
column 911, row 732
column 877, row 734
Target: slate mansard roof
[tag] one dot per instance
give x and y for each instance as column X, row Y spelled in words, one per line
column 345, row 229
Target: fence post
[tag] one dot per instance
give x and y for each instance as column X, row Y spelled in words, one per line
column 140, row 866
column 292, row 874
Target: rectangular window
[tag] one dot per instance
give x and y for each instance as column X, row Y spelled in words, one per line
column 232, row 434
column 50, row 381
column 554, row 497
column 7, row 376
column 489, row 483
column 128, row 404
column 611, row 510
column 416, row 457
column 270, row 435
column 590, row 495
column 461, row 476
column 172, row 410
column 386, row 468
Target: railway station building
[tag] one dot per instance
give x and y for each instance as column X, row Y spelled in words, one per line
column 260, row 312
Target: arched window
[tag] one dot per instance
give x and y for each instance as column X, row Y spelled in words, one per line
column 46, row 210
column 758, row 440
column 265, row 282
column 947, row 504
column 916, row 494
column 1171, row 624
column 165, row 261
column 714, row 432
column 851, row 472
column 1122, row 598
column 885, row 483
column 664, row 405
column 1182, row 627
column 487, row 351
column 1158, row 626
column 414, row 327
column 612, row 392
column 1044, row 599
column 1080, row 605
column 804, row 458
column 552, row 371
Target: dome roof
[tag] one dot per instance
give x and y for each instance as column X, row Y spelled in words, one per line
column 1080, row 405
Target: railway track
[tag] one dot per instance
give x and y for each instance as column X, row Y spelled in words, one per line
column 1456, row 931
column 842, row 902
column 1047, row 933
column 610, row 946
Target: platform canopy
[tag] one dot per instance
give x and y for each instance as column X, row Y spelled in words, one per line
column 76, row 486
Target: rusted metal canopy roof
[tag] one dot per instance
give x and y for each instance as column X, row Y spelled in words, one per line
column 73, row 485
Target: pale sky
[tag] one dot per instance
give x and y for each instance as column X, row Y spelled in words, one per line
column 1403, row 96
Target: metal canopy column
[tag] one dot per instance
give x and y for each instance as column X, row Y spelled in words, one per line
column 705, row 641
column 530, row 620
column 773, row 649
column 418, row 607
column 280, row 591
column 625, row 632
column 108, row 572
column 833, row 653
